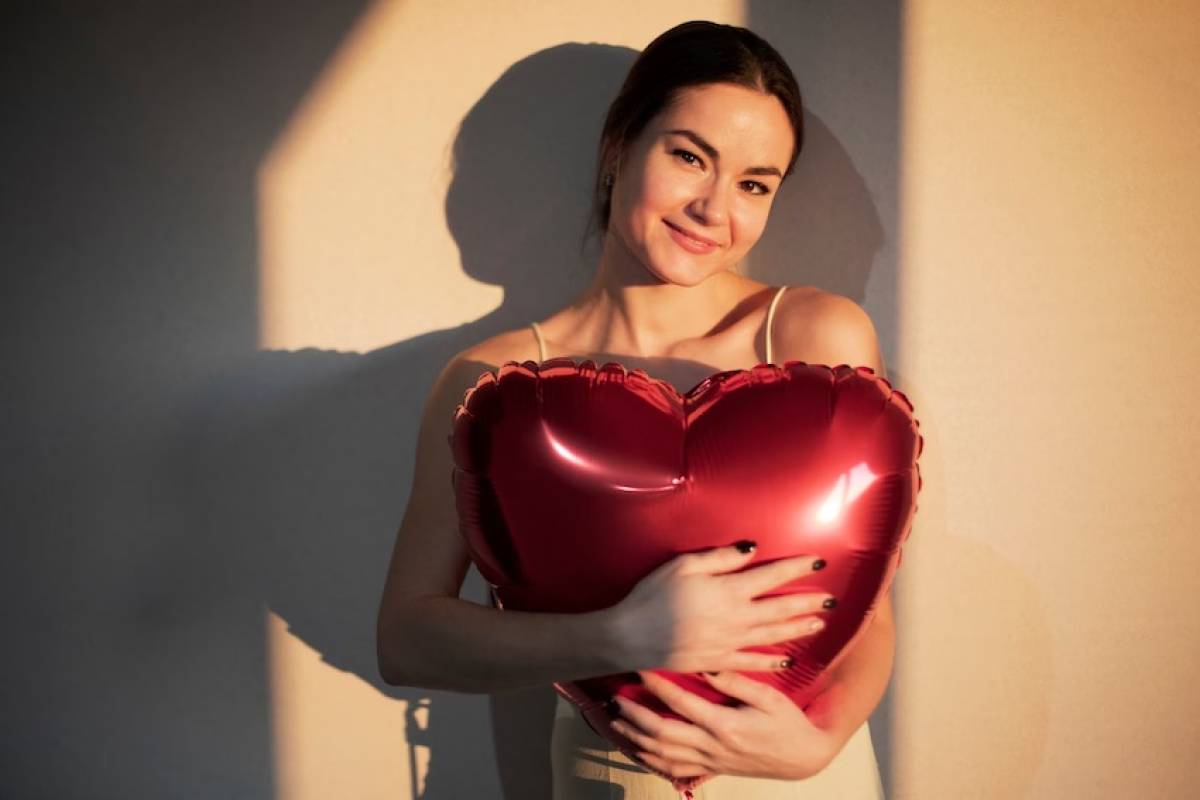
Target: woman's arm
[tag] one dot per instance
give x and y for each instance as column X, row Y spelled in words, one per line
column 858, row 682
column 768, row 736
column 425, row 635
column 839, row 329
column 448, row 643
column 695, row 612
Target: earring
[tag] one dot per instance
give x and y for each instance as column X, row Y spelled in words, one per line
column 608, row 179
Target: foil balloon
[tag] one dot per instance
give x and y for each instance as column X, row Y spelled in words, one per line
column 573, row 482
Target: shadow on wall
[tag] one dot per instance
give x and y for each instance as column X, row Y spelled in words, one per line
column 847, row 57
column 133, row 622
column 306, row 457
column 313, row 449
column 309, row 453
column 206, row 479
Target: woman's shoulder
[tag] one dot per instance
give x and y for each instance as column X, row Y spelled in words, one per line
column 517, row 344
column 822, row 306
column 466, row 366
column 461, row 371
column 822, row 327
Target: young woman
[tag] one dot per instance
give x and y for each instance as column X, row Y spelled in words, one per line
column 692, row 154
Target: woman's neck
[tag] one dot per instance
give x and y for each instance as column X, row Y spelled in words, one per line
column 628, row 310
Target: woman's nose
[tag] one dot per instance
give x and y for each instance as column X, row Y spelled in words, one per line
column 710, row 206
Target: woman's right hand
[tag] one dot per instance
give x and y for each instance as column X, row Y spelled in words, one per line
column 690, row 615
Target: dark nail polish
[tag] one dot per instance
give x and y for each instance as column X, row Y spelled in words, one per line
column 786, row 663
column 818, row 564
column 830, row 602
column 706, row 672
column 745, row 546
column 612, row 709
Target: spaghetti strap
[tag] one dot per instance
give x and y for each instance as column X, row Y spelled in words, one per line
column 537, row 331
column 770, row 320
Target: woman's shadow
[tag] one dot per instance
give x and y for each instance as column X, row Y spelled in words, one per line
column 295, row 465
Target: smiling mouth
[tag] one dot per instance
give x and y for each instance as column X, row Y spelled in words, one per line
column 697, row 240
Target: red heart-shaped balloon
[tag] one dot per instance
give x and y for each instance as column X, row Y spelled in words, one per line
column 573, row 482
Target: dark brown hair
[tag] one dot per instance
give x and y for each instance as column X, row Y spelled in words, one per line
column 690, row 54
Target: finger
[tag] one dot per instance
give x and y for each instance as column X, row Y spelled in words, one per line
column 751, row 692
column 751, row 661
column 717, row 560
column 779, row 632
column 784, row 607
column 672, row 769
column 663, row 749
column 665, row 729
column 690, row 706
column 761, row 579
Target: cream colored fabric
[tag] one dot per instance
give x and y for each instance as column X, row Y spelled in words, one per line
column 587, row 767
column 537, row 331
column 541, row 341
column 770, row 322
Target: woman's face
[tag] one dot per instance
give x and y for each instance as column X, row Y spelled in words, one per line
column 694, row 190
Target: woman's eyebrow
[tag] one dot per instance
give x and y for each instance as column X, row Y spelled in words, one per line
column 699, row 141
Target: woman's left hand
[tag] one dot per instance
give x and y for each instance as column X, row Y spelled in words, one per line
column 768, row 737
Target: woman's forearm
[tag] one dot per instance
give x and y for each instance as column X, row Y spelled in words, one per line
column 858, row 684
column 455, row 644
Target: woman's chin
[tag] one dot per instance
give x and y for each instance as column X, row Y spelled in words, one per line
column 686, row 271
column 687, row 275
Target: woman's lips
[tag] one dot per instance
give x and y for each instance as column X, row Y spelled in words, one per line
column 688, row 243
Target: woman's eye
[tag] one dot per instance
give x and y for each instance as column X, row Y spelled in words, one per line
column 687, row 156
column 756, row 187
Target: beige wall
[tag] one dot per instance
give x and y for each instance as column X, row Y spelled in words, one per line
column 432, row 186
column 353, row 194
column 433, row 178
column 1041, row 320
column 1049, row 333
column 240, row 242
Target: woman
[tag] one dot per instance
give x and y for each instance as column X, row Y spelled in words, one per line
column 694, row 148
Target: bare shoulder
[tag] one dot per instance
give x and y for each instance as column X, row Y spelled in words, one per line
column 821, row 327
column 465, row 367
column 429, row 556
column 518, row 344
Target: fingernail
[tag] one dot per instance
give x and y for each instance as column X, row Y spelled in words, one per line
column 786, row 663
column 709, row 673
column 830, row 602
column 612, row 709
column 818, row 564
column 745, row 546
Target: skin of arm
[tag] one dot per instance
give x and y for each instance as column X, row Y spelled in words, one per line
column 770, row 737
column 425, row 634
column 858, row 682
